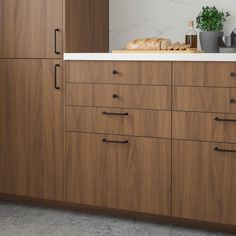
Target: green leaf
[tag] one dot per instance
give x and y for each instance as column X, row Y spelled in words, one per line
column 211, row 19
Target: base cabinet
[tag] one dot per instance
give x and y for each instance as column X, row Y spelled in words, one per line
column 156, row 141
column 31, row 134
column 203, row 181
column 128, row 173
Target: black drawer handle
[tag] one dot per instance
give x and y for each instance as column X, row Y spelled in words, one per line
column 232, row 100
column 224, row 150
column 112, row 141
column 115, row 114
column 115, row 96
column 224, row 120
column 55, row 41
column 55, row 76
column 115, row 72
column 233, row 74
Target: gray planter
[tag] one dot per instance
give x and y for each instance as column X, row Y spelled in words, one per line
column 209, row 41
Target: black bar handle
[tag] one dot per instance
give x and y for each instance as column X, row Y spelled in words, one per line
column 55, row 41
column 112, row 141
column 115, row 114
column 55, row 76
column 224, row 120
column 224, row 150
column 233, row 74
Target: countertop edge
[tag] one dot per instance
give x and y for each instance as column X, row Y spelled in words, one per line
column 221, row 57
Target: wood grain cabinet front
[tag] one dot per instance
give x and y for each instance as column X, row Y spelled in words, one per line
column 204, row 99
column 119, row 96
column 121, row 172
column 31, row 133
column 210, row 74
column 148, row 123
column 31, row 28
column 145, row 73
column 214, row 127
column 203, row 181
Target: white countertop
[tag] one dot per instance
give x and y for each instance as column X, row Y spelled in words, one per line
column 224, row 57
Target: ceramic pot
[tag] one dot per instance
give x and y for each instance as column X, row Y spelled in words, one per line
column 209, row 41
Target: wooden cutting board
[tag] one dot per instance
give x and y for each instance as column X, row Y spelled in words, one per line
column 156, row 51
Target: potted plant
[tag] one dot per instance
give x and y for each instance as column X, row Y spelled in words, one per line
column 211, row 22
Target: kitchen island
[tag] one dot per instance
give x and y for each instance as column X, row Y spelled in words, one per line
column 153, row 134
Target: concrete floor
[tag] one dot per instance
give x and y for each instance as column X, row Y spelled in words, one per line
column 26, row 220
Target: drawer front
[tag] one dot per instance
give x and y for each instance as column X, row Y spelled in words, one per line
column 149, row 73
column 204, row 126
column 122, row 96
column 204, row 181
column 149, row 123
column 204, row 99
column 89, row 71
column 204, row 74
column 131, row 176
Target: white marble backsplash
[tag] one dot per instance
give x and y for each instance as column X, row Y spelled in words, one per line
column 130, row 19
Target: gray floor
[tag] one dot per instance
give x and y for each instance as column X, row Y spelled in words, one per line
column 26, row 220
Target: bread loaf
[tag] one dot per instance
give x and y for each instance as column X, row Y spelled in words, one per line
column 165, row 43
column 149, row 44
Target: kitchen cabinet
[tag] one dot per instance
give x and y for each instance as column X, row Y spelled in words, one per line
column 118, row 130
column 31, row 28
column 34, row 34
column 31, row 134
column 203, row 134
column 204, row 74
column 86, row 26
column 165, row 137
column 129, row 173
column 48, row 28
column 204, row 186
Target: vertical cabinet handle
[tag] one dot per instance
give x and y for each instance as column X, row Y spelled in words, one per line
column 55, row 41
column 55, row 77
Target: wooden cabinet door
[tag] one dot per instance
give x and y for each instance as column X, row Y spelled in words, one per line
column 131, row 175
column 31, row 132
column 204, row 181
column 27, row 28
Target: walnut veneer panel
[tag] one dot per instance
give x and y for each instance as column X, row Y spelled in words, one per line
column 204, row 99
column 204, row 181
column 31, row 134
column 121, row 96
column 221, row 74
column 27, row 28
column 204, row 126
column 150, row 73
column 132, row 176
column 149, row 123
column 86, row 26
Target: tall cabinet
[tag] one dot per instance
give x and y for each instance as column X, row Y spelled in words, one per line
column 33, row 37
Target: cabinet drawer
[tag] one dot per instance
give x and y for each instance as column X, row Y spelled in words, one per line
column 204, row 74
column 150, row 73
column 204, row 126
column 134, row 175
column 150, row 123
column 204, row 99
column 122, row 96
column 204, row 181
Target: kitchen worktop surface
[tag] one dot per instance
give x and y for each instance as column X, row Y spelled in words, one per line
column 231, row 57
